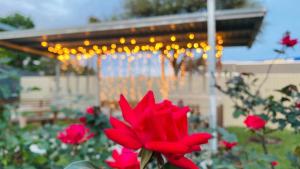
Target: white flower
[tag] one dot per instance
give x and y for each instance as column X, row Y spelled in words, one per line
column 36, row 149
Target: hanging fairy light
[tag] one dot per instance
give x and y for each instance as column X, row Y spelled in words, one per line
column 135, row 53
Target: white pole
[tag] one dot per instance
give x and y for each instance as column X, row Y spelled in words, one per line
column 57, row 80
column 211, row 31
column 98, row 78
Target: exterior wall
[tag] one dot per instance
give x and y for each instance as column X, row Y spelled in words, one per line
column 191, row 91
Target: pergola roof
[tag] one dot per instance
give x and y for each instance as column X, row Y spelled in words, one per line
column 236, row 27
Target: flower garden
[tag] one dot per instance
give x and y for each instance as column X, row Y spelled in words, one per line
column 146, row 128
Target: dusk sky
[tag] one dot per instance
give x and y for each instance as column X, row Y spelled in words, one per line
column 281, row 16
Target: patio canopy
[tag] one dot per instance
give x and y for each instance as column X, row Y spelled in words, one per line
column 236, row 27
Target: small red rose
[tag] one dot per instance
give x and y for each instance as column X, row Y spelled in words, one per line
column 287, row 41
column 82, row 119
column 255, row 122
column 297, row 104
column 228, row 145
column 126, row 159
column 75, row 134
column 90, row 110
column 274, row 163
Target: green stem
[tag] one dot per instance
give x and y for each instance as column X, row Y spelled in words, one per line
column 159, row 161
column 74, row 150
column 264, row 145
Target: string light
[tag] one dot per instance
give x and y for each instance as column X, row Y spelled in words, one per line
column 133, row 41
column 86, row 42
column 173, row 38
column 122, row 40
column 152, row 39
column 191, row 36
column 113, row 46
column 170, row 50
column 44, row 44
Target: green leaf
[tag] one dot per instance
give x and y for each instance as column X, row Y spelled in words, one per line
column 145, row 157
column 237, row 113
column 170, row 166
column 81, row 165
column 279, row 51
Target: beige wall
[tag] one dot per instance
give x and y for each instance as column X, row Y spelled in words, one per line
column 192, row 91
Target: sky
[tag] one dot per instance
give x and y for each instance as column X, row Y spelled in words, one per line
column 281, row 16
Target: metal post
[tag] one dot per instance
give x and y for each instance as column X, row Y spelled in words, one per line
column 57, row 80
column 87, row 85
column 98, row 78
column 162, row 67
column 211, row 31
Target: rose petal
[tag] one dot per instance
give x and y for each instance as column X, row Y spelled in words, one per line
column 148, row 100
column 183, row 163
column 167, row 147
column 116, row 123
column 196, row 139
column 124, row 137
column 127, row 112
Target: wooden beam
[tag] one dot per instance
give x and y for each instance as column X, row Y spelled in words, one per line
column 25, row 49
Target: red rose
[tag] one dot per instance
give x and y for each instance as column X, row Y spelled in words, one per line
column 297, row 104
column 274, row 163
column 90, row 110
column 255, row 122
column 75, row 134
column 160, row 127
column 82, row 119
column 126, row 159
column 228, row 145
column 287, row 41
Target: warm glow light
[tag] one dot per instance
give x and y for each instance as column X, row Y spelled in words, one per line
column 104, row 48
column 168, row 47
column 44, row 44
column 191, row 36
column 120, row 49
column 95, row 47
column 173, row 38
column 122, row 40
column 189, row 45
column 204, row 56
column 113, row 46
column 58, row 46
column 50, row 49
column 152, row 39
column 196, row 45
column 133, row 41
column 73, row 51
column 78, row 57
column 207, row 48
column 86, row 43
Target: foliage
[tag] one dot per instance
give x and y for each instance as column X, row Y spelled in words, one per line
column 281, row 149
column 283, row 111
column 21, row 60
column 18, row 21
column 294, row 157
column 145, row 8
column 9, row 88
column 35, row 148
column 93, row 19
column 96, row 121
